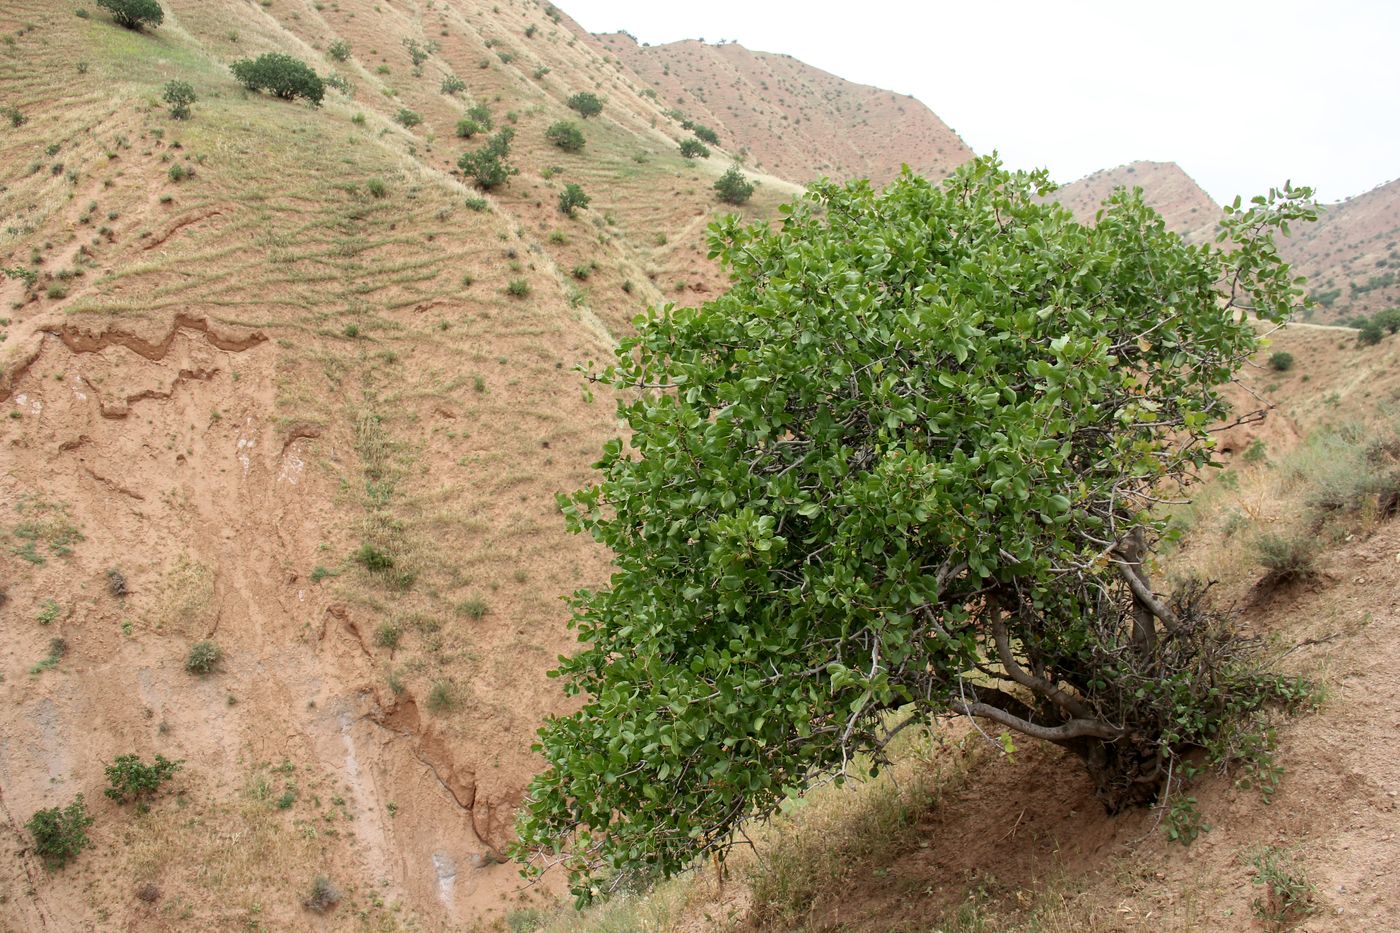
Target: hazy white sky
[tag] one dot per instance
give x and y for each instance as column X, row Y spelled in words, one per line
column 1241, row 94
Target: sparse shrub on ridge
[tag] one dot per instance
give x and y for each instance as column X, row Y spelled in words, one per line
column 451, row 84
column 694, row 149
column 203, row 658
column 324, row 896
column 565, row 135
column 1370, row 334
column 704, row 134
column 179, row 95
column 734, row 187
column 281, row 76
column 408, row 119
column 134, row 14
column 60, row 834
column 481, row 114
column 586, row 103
column 128, row 779
column 339, row 50
column 1287, row 556
column 487, row 166
column 1281, row 361
column 572, row 198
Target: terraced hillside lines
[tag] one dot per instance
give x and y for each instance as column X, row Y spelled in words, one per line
column 795, row 121
column 290, row 399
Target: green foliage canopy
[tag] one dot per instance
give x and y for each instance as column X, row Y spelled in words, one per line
column 487, row 165
column 179, row 95
column 280, row 75
column 129, row 779
column 566, row 136
column 916, row 431
column 60, row 834
column 572, row 198
column 694, row 149
column 134, row 14
column 733, row 187
column 586, row 103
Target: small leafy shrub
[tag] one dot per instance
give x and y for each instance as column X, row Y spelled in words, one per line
column 1281, row 361
column 376, row 187
column 134, row 14
column 388, row 635
column 1389, row 319
column 116, row 583
column 474, row 609
column 586, row 104
column 1255, row 452
column 705, row 134
column 694, row 149
column 179, row 173
column 281, row 76
column 1287, row 895
column 49, row 612
column 203, row 658
column 572, row 198
column 59, row 835
column 1287, row 557
column 1370, row 334
column 488, row 165
column 417, row 52
column 128, row 779
column 323, row 897
column 442, row 696
column 408, row 118
column 566, row 136
column 482, row 115
column 339, row 50
column 733, row 187
column 467, row 128
column 373, row 559
column 479, row 205
column 451, row 84
column 179, row 95
column 518, row 288
column 14, row 115
column 340, row 83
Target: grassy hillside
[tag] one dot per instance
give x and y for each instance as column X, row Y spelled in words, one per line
column 310, row 395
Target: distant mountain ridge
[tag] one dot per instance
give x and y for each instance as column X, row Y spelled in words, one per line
column 795, row 121
column 1184, row 205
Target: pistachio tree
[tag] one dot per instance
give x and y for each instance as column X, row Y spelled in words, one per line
column 906, row 467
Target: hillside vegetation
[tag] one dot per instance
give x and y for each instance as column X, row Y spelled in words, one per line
column 288, row 394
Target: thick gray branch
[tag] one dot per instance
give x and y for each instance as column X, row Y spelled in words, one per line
column 1074, row 729
column 1037, row 685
